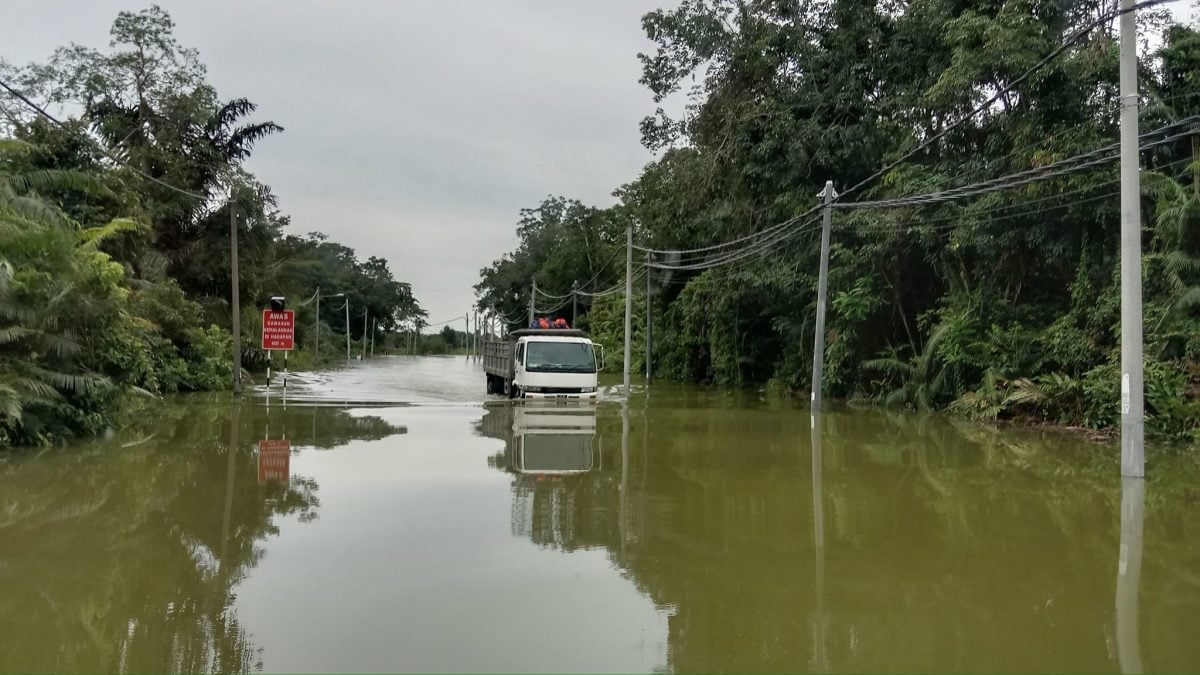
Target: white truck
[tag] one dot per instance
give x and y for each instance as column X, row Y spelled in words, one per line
column 555, row 363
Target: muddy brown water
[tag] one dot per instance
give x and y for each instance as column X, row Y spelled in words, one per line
column 388, row 518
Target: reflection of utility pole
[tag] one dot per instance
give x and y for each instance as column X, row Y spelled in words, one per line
column 234, row 423
column 1129, row 571
column 622, row 514
column 818, row 652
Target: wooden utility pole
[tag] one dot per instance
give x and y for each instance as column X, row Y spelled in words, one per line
column 235, row 297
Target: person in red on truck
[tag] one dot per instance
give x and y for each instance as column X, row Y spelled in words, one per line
column 560, row 323
column 543, row 323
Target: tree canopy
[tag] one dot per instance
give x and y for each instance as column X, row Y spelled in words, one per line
column 1005, row 304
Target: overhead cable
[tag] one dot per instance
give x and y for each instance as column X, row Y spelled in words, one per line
column 1066, row 44
column 104, row 151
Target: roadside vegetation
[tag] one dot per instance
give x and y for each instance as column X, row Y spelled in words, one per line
column 1003, row 306
column 115, row 282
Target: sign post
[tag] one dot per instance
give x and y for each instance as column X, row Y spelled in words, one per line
column 279, row 333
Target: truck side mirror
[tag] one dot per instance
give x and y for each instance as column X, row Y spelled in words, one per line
column 600, row 357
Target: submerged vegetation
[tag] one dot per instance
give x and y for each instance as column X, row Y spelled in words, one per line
column 115, row 275
column 1001, row 306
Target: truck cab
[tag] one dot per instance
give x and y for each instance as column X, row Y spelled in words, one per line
column 541, row 364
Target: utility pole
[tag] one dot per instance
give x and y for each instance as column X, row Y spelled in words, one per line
column 822, row 288
column 366, row 313
column 628, row 301
column 649, row 320
column 574, row 301
column 235, row 299
column 374, row 329
column 347, row 327
column 1133, row 450
column 532, row 295
column 317, row 329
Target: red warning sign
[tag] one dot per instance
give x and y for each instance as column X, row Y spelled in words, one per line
column 274, row 461
column 279, row 329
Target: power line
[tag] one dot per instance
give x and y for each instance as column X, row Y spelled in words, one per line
column 1060, row 168
column 991, row 217
column 758, row 238
column 96, row 144
column 1067, row 43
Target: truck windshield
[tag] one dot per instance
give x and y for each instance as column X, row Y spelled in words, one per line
column 560, row 357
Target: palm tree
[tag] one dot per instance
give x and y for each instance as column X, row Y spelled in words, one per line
column 1177, row 233
column 922, row 380
column 40, row 299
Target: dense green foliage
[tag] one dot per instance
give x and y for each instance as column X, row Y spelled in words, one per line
column 115, row 277
column 1004, row 305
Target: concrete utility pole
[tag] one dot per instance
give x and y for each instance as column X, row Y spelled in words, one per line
column 628, row 302
column 235, row 300
column 574, row 302
column 317, row 329
column 532, row 295
column 347, row 328
column 1133, row 450
column 374, row 329
column 649, row 320
column 366, row 313
column 1129, row 571
column 822, row 288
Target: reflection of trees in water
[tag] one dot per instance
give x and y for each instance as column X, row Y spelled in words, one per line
column 123, row 555
column 946, row 545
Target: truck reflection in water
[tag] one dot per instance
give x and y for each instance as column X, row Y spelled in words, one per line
column 544, row 442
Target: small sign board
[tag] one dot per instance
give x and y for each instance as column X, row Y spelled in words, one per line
column 274, row 460
column 279, row 329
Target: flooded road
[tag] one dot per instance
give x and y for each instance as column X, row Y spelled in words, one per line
column 389, row 518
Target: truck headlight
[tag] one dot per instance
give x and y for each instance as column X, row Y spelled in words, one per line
column 533, row 390
column 587, row 390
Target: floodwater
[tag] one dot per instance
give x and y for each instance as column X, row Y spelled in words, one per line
column 388, row 518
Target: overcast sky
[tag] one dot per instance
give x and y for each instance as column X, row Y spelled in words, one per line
column 415, row 130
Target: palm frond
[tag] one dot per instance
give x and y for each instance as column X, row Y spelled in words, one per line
column 897, row 397
column 890, row 366
column 36, row 210
column 11, row 334
column 1025, row 390
column 92, row 236
column 58, row 179
column 83, row 383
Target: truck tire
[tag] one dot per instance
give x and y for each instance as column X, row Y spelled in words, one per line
column 491, row 385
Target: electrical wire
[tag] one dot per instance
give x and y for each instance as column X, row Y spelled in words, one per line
column 1054, row 54
column 1026, row 177
column 991, row 215
column 761, row 238
column 18, row 95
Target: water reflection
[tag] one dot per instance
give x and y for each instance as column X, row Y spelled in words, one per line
column 124, row 555
column 1129, row 572
column 887, row 542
